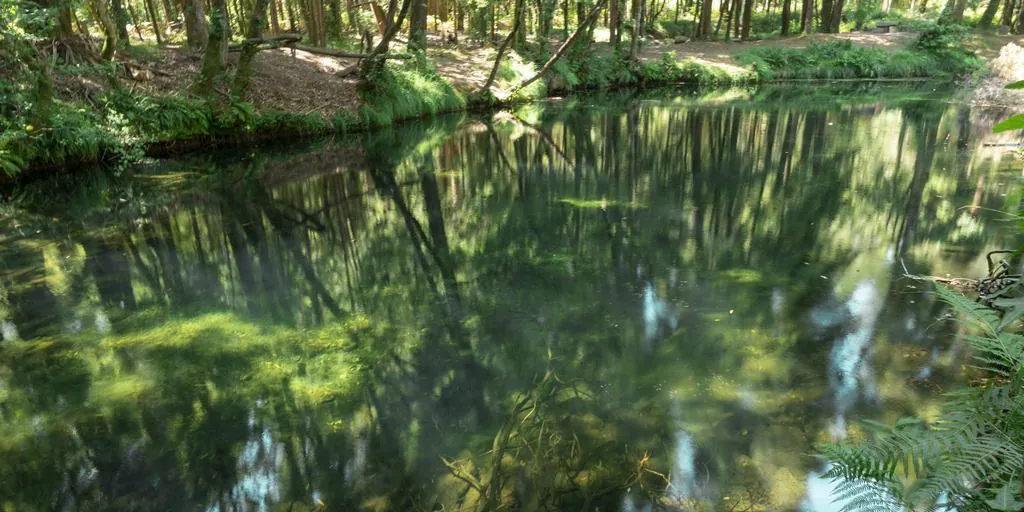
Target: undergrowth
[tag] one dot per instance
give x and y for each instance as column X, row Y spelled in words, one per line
column 938, row 53
column 406, row 91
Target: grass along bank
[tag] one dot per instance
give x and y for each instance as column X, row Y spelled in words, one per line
column 121, row 121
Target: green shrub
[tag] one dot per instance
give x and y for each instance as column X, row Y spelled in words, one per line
column 404, row 92
column 841, row 59
column 971, row 456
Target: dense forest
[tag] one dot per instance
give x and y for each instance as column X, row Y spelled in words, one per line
column 96, row 80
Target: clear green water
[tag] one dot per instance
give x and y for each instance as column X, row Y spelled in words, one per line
column 600, row 303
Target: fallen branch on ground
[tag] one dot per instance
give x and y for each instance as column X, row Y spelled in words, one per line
column 270, row 42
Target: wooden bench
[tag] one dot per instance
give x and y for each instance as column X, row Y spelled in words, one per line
column 885, row 26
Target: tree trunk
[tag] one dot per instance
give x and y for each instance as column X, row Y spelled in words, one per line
column 214, row 59
column 369, row 66
column 195, row 23
column 517, row 21
column 785, row 16
column 275, row 23
column 614, row 27
column 121, row 19
column 837, row 16
column 634, row 43
column 1007, row 17
column 151, row 9
column 418, row 25
column 748, row 8
column 136, row 21
column 825, row 16
column 565, row 47
column 705, row 19
column 334, row 24
column 244, row 71
column 723, row 10
column 957, row 14
column 169, row 11
column 99, row 8
column 353, row 15
column 735, row 17
column 1020, row 19
column 989, row 15
column 807, row 17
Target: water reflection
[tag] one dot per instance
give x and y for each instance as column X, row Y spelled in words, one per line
column 608, row 303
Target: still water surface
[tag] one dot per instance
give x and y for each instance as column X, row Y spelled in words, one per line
column 622, row 302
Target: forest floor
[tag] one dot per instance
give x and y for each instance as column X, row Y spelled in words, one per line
column 296, row 81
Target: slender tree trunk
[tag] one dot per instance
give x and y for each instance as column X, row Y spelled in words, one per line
column 275, row 23
column 136, row 21
column 807, row 17
column 517, row 21
column 614, row 27
column 121, row 19
column 1020, row 19
column 369, row 66
column 748, row 8
column 151, row 9
column 244, row 72
column 989, row 15
column 565, row 18
column 837, row 16
column 736, row 16
column 785, row 16
column 705, row 19
column 634, row 44
column 957, row 14
column 1007, row 18
column 99, row 8
column 825, row 16
column 195, row 23
column 216, row 48
column 418, row 25
column 170, row 12
column 723, row 11
column 590, row 19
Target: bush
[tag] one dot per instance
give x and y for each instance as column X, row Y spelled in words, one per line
column 840, row 59
column 399, row 92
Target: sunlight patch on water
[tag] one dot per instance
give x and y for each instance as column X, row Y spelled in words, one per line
column 850, row 374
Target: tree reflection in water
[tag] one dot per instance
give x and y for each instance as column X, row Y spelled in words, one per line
column 613, row 302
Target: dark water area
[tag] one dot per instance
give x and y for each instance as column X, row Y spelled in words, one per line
column 626, row 302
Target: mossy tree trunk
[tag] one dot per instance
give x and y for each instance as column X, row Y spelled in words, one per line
column 99, row 8
column 370, row 66
column 418, row 25
column 121, row 21
column 214, row 59
column 244, row 72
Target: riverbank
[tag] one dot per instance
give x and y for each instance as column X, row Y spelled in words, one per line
column 296, row 93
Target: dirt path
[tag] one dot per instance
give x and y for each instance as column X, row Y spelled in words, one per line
column 297, row 81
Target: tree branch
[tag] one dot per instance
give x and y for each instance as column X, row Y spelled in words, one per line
column 565, row 46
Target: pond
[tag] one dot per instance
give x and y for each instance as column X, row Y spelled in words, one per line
column 631, row 301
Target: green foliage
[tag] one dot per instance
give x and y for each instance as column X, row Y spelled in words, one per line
column 1014, row 123
column 841, row 59
column 395, row 92
column 971, row 454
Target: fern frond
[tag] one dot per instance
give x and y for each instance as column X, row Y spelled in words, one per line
column 973, row 312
